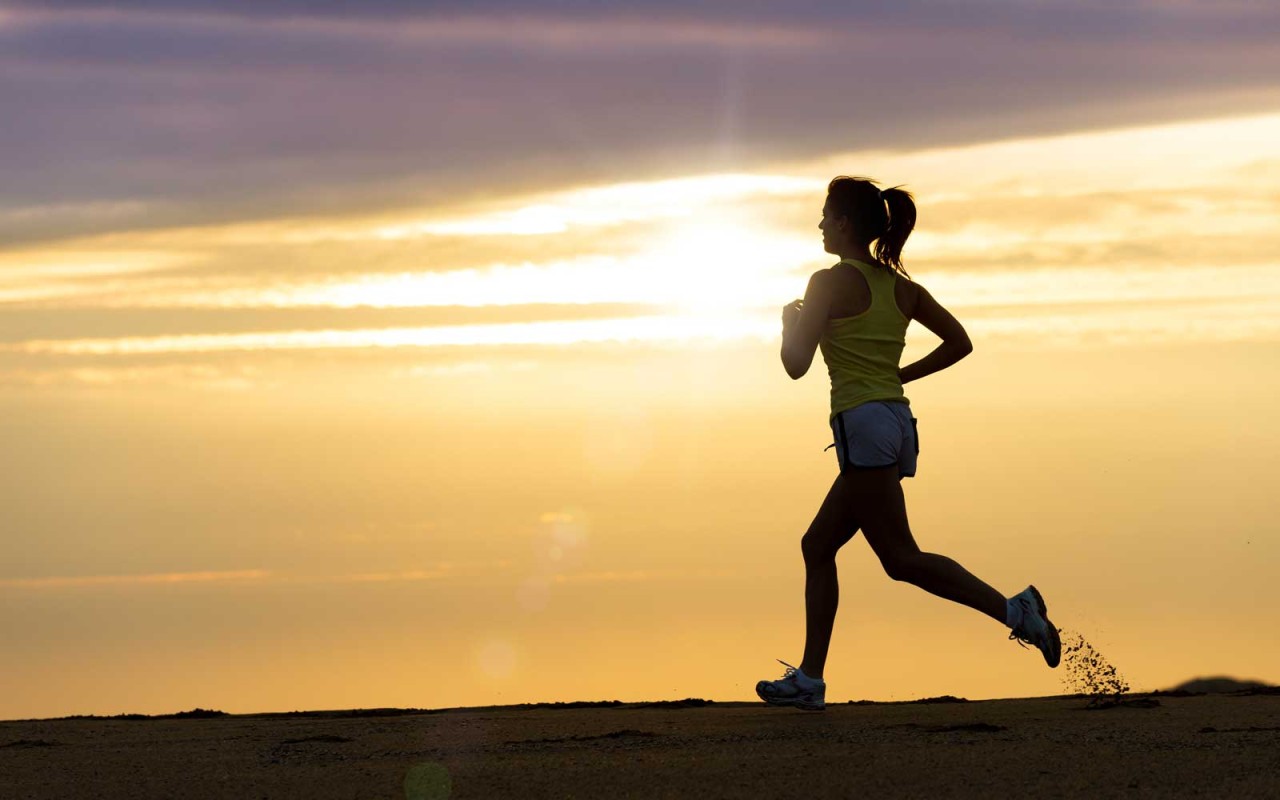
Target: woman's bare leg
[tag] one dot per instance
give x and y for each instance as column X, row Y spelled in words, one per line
column 877, row 496
column 832, row 527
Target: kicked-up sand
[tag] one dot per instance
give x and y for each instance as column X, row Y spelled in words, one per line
column 1162, row 745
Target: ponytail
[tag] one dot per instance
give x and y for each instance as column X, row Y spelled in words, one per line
column 883, row 217
column 902, row 219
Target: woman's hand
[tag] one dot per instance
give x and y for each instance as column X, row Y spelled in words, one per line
column 803, row 322
column 790, row 313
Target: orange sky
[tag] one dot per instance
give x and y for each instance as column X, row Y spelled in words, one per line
column 540, row 447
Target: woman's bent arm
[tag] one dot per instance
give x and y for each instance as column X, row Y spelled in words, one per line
column 955, row 341
column 803, row 323
column 943, row 356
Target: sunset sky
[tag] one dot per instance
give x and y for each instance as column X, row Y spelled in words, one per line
column 426, row 354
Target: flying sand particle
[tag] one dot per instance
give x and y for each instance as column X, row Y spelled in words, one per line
column 1088, row 672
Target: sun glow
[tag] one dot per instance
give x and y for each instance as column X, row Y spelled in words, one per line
column 724, row 266
column 698, row 266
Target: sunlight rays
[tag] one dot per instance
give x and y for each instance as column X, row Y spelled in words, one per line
column 602, row 206
column 1020, row 235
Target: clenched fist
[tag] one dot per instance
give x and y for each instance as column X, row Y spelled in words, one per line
column 790, row 312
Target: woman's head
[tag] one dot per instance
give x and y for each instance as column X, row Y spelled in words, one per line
column 857, row 213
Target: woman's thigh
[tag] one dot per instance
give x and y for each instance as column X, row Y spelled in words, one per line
column 835, row 523
column 876, row 498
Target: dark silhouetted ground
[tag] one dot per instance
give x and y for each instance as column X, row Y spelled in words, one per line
column 1160, row 745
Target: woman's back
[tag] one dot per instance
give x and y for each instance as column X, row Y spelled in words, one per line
column 865, row 334
column 851, row 294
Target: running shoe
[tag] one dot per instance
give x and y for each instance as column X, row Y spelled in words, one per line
column 794, row 688
column 1035, row 628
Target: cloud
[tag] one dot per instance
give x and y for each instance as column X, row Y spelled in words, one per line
column 396, row 576
column 1120, row 18
column 641, row 575
column 670, row 329
column 154, row 579
column 1007, row 231
column 233, row 378
column 133, row 115
column 1131, row 307
column 1146, row 323
column 456, row 368
column 444, row 569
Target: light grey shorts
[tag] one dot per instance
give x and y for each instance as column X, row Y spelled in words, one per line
column 880, row 433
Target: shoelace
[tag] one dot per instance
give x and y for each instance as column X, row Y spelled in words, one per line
column 1021, row 641
column 1019, row 634
column 793, row 672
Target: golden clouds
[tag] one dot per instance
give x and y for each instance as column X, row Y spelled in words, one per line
column 1041, row 241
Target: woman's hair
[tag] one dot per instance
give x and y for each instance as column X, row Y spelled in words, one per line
column 865, row 206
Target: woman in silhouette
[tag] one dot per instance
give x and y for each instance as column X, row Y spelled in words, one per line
column 857, row 311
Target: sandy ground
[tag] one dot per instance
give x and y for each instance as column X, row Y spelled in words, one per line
column 1165, row 746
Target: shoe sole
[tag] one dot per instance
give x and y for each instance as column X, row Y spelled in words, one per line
column 1051, row 659
column 794, row 702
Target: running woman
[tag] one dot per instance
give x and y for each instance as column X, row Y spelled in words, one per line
column 857, row 311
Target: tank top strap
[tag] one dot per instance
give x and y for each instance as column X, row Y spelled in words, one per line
column 881, row 281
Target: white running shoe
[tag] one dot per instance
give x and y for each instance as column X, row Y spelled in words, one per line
column 794, row 688
column 1035, row 627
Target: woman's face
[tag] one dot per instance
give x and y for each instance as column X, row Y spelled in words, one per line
column 834, row 230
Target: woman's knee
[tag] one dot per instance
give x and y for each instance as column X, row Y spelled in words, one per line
column 901, row 566
column 818, row 549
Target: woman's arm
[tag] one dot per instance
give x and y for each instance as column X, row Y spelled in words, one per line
column 803, row 322
column 955, row 342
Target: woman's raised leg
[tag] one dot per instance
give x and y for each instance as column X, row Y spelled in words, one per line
column 877, row 497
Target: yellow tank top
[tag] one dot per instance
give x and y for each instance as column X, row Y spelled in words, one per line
column 862, row 352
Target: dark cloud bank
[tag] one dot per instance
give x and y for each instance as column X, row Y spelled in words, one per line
column 153, row 113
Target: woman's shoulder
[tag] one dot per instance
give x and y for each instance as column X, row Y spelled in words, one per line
column 907, row 294
column 823, row 280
